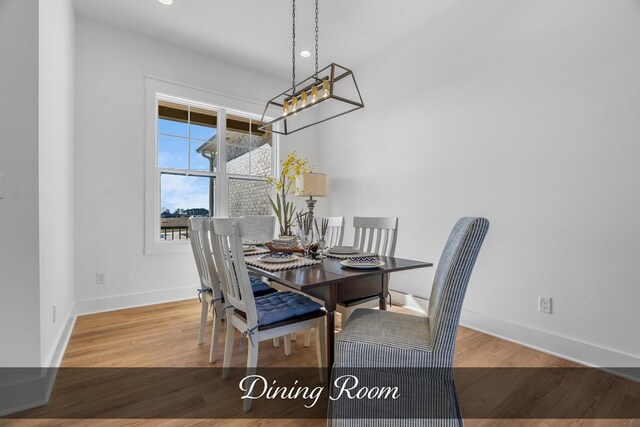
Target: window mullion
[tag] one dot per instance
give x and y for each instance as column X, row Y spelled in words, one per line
column 189, row 138
column 222, row 196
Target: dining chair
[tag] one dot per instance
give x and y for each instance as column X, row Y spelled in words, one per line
column 258, row 228
column 210, row 292
column 263, row 317
column 335, row 230
column 377, row 235
column 387, row 341
column 198, row 228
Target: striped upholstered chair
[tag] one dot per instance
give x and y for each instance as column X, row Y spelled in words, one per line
column 416, row 352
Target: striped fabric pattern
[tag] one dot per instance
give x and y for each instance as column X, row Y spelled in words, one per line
column 385, row 341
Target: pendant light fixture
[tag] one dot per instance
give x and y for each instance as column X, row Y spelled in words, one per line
column 328, row 93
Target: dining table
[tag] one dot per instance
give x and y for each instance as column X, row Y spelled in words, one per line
column 334, row 283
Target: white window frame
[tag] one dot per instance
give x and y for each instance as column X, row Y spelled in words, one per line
column 157, row 89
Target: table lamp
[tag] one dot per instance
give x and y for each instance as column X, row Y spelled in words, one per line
column 311, row 185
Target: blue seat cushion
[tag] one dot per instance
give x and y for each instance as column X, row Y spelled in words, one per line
column 281, row 306
column 259, row 288
column 258, row 285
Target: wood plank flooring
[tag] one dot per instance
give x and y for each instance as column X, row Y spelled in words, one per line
column 165, row 335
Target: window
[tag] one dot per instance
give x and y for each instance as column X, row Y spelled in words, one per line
column 202, row 160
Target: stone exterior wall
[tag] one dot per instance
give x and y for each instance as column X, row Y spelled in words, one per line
column 250, row 197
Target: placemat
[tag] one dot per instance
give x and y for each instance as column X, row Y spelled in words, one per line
column 341, row 256
column 299, row 262
column 257, row 251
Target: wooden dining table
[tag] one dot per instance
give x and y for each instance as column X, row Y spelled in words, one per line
column 334, row 283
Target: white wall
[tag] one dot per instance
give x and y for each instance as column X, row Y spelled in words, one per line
column 56, row 112
column 109, row 160
column 19, row 273
column 525, row 112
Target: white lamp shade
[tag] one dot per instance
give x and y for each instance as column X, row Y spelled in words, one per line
column 311, row 184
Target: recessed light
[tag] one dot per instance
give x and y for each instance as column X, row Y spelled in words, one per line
column 305, row 54
column 167, row 2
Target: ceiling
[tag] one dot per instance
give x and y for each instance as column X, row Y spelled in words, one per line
column 256, row 34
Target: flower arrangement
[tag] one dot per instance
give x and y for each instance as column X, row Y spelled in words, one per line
column 292, row 167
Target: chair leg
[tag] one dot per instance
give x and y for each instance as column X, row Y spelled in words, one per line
column 321, row 348
column 228, row 349
column 276, row 342
column 252, row 364
column 307, row 338
column 215, row 336
column 287, row 345
column 203, row 321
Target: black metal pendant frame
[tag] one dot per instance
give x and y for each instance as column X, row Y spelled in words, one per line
column 287, row 123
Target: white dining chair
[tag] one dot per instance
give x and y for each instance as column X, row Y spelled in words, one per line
column 335, row 230
column 258, row 318
column 376, row 235
column 209, row 293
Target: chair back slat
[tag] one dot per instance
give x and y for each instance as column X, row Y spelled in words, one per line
column 451, row 280
column 385, row 239
column 229, row 257
column 376, row 234
column 201, row 247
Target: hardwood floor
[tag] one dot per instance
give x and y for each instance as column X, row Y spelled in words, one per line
column 165, row 336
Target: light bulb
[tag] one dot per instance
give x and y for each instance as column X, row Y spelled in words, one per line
column 325, row 88
column 294, row 103
column 285, row 108
column 314, row 93
column 303, row 98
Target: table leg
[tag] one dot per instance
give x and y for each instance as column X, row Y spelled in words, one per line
column 330, row 306
column 385, row 291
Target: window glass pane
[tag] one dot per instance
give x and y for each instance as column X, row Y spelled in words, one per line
column 173, row 128
column 181, row 197
column 238, row 160
column 204, row 155
column 203, row 133
column 172, row 152
column 247, row 197
column 242, row 131
column 261, row 163
column 204, row 130
column 242, row 138
column 262, row 139
column 173, row 119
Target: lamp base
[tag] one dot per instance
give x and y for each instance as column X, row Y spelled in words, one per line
column 311, row 203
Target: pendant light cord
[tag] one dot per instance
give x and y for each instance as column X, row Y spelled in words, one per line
column 293, row 48
column 316, row 39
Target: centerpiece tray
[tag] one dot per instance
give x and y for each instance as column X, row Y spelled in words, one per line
column 272, row 248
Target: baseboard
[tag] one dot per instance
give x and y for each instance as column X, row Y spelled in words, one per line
column 31, row 387
column 55, row 356
column 29, row 393
column 564, row 347
column 140, row 299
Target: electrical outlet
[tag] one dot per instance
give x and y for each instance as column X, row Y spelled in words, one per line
column 544, row 304
column 101, row 278
column 54, row 313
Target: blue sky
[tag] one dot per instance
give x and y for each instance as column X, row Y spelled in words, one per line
column 173, row 152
